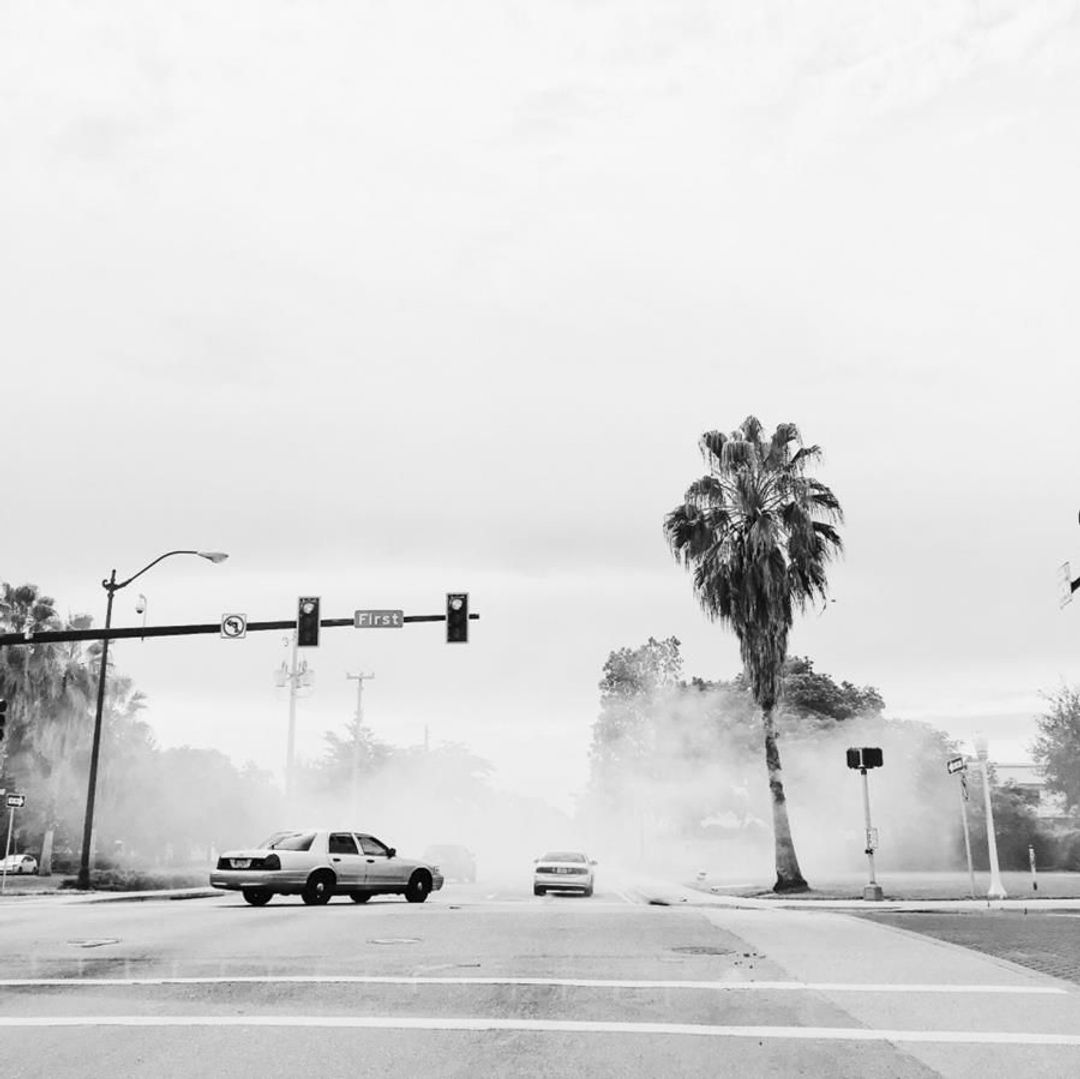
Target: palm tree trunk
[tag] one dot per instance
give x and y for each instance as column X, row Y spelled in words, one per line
column 789, row 877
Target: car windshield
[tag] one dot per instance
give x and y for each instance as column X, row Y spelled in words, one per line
column 564, row 856
column 288, row 841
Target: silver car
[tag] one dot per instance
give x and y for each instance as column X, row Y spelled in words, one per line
column 317, row 864
column 563, row 871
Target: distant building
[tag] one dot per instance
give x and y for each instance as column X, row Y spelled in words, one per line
column 1048, row 806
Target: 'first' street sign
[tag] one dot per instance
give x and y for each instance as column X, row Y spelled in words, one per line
column 16, row 801
column 955, row 764
column 378, row 619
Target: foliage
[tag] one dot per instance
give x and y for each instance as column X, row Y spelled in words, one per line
column 1016, row 826
column 757, row 533
column 1057, row 747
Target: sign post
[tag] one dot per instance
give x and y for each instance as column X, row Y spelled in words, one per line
column 14, row 801
column 957, row 766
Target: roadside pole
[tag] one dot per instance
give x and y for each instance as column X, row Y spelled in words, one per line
column 864, row 758
column 290, row 744
column 355, row 788
column 1031, row 862
column 873, row 889
column 958, row 766
column 7, row 846
column 996, row 889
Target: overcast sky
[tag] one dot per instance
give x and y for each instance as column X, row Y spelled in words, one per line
column 388, row 300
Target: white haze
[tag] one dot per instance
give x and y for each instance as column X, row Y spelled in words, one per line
column 393, row 299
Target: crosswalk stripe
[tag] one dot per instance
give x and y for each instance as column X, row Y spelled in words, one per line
column 562, row 1026
column 574, row 983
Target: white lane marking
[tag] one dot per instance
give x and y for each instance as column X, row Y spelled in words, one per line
column 560, row 1026
column 574, row 983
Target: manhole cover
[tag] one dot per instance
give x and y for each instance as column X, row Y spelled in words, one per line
column 93, row 942
column 703, row 949
column 394, row 940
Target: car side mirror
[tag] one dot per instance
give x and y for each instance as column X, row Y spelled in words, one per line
column 391, row 852
column 593, row 861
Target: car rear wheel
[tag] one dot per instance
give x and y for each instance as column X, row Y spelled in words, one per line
column 418, row 888
column 257, row 897
column 587, row 891
column 359, row 897
column 537, row 890
column 319, row 889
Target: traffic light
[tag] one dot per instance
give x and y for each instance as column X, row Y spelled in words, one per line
column 307, row 622
column 457, row 617
column 3, row 717
column 865, row 757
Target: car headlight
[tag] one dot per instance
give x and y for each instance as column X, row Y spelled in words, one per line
column 271, row 861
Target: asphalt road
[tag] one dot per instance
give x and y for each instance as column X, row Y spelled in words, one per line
column 489, row 981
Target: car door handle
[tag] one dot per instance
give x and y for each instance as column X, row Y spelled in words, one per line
column 335, row 859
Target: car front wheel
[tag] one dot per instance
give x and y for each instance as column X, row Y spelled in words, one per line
column 537, row 890
column 419, row 888
column 257, row 897
column 319, row 889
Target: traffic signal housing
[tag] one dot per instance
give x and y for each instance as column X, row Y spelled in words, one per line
column 3, row 717
column 865, row 757
column 307, row 622
column 457, row 617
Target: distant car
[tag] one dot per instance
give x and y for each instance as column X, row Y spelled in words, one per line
column 455, row 861
column 317, row 864
column 563, row 871
column 19, row 863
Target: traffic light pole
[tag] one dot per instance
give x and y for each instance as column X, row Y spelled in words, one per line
column 873, row 889
column 109, row 634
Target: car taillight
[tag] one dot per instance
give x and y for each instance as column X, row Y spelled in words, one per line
column 271, row 861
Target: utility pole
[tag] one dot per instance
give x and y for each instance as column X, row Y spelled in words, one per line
column 294, row 675
column 359, row 679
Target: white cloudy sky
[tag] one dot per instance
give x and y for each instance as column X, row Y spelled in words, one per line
column 392, row 299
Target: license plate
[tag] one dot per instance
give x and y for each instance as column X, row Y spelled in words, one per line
column 241, row 863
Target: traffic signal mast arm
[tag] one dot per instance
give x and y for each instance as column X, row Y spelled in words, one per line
column 55, row 636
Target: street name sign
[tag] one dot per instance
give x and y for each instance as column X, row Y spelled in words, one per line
column 16, row 801
column 233, row 626
column 955, row 764
column 378, row 619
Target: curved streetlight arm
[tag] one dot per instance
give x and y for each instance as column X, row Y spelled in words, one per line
column 115, row 586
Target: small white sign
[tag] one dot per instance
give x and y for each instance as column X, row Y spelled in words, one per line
column 16, row 801
column 871, row 839
column 955, row 764
column 233, row 626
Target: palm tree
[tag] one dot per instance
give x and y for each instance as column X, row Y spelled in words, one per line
column 758, row 533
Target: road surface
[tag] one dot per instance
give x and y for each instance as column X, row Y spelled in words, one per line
column 487, row 980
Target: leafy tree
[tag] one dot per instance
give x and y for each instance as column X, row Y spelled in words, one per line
column 633, row 678
column 1057, row 748
column 758, row 533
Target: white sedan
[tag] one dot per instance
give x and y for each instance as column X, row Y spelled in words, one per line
column 563, row 871
column 317, row 864
column 19, row 863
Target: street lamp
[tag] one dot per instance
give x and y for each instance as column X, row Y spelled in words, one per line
column 112, row 586
column 996, row 889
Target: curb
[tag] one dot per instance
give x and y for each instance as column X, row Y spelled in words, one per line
column 911, row 906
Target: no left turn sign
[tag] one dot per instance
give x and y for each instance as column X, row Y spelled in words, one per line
column 234, row 626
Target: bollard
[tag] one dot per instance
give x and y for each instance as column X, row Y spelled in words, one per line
column 1031, row 862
